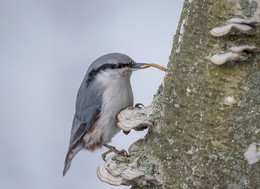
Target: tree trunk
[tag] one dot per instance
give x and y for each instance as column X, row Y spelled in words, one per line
column 208, row 116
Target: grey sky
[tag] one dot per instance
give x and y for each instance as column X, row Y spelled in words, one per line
column 46, row 47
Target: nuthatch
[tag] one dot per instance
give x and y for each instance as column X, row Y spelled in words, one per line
column 104, row 92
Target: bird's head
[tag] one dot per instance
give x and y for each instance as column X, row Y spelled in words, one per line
column 114, row 65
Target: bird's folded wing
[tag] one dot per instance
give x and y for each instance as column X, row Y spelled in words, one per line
column 88, row 107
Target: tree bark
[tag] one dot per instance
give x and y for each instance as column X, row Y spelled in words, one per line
column 208, row 116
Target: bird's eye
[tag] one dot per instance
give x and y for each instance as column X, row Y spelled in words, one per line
column 119, row 65
column 131, row 63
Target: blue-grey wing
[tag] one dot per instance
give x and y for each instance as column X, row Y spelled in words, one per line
column 88, row 107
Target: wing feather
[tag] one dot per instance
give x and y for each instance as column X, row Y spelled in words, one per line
column 88, row 107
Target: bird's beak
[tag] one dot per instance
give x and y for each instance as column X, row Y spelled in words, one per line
column 140, row 65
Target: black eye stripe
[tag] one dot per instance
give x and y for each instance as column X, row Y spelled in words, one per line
column 118, row 66
column 94, row 72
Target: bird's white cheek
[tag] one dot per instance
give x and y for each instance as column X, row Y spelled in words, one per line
column 127, row 71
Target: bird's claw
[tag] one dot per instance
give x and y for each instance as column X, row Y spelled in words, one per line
column 123, row 153
column 113, row 149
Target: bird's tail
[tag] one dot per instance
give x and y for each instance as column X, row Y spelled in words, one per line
column 70, row 155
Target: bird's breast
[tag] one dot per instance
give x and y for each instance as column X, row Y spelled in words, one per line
column 117, row 96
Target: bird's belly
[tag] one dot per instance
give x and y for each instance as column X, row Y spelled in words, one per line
column 113, row 103
column 106, row 126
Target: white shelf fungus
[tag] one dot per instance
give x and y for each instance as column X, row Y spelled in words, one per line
column 135, row 118
column 119, row 170
column 224, row 30
column 236, row 53
column 242, row 21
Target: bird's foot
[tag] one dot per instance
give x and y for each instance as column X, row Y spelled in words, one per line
column 113, row 149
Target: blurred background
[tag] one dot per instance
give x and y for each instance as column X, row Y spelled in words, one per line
column 46, row 47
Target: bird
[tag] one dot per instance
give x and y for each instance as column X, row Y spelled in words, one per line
column 103, row 93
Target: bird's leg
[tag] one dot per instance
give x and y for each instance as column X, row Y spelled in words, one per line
column 113, row 149
column 105, row 154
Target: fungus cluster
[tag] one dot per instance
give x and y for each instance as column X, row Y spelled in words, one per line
column 120, row 170
column 236, row 53
column 235, row 26
column 126, row 170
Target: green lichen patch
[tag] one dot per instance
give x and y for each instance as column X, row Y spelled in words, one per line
column 248, row 8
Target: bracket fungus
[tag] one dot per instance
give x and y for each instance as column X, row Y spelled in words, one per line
column 237, row 25
column 242, row 21
column 120, row 170
column 135, row 118
column 131, row 170
column 220, row 59
column 244, row 48
column 236, row 53
column 224, row 30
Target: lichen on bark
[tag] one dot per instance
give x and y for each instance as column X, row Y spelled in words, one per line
column 208, row 115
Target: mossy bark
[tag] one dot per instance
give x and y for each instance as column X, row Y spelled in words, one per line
column 208, row 115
